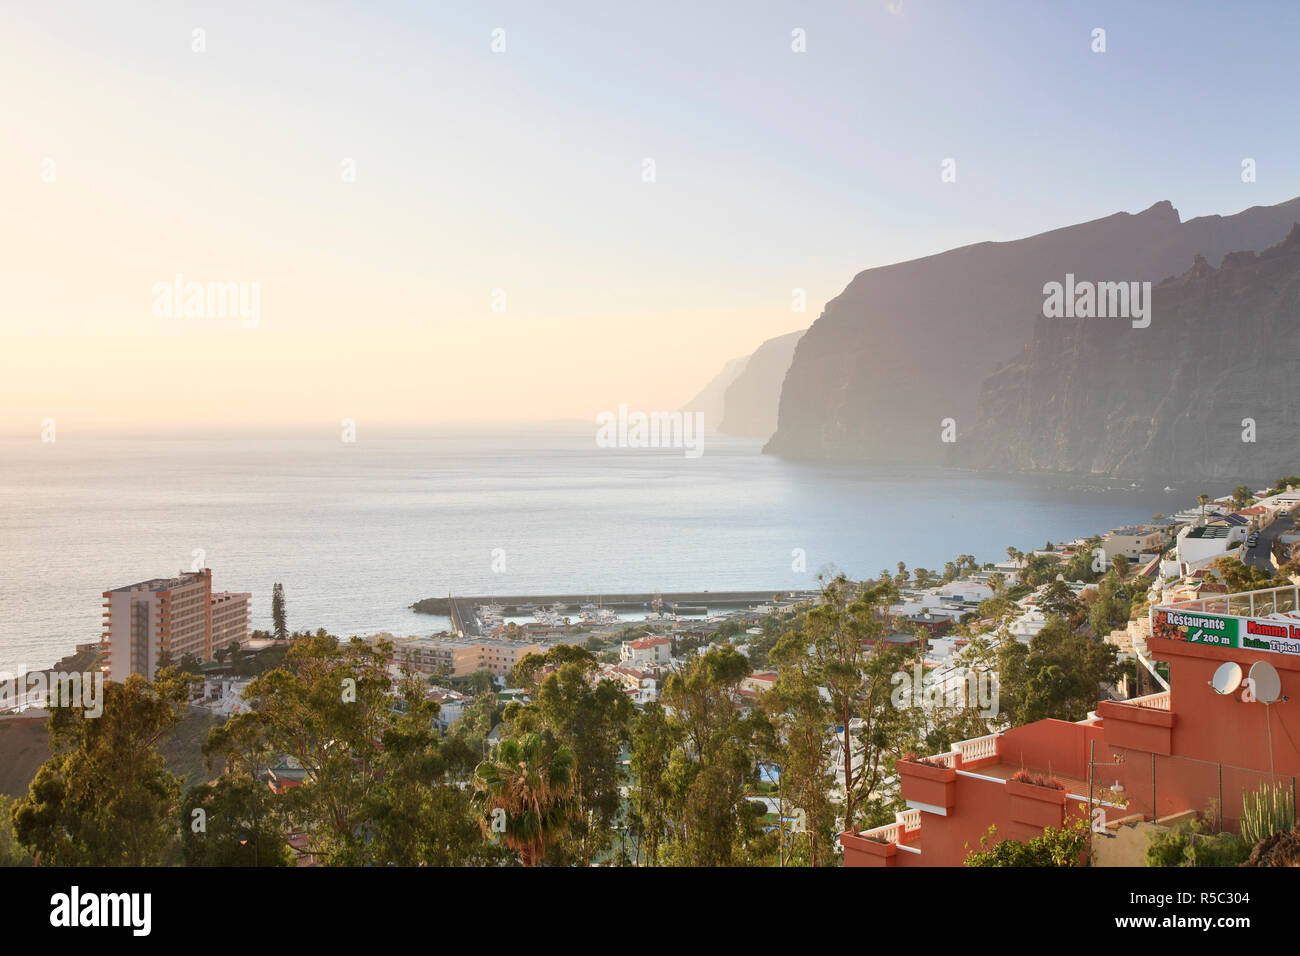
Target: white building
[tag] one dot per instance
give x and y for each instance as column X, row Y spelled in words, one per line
column 1198, row 546
column 646, row 651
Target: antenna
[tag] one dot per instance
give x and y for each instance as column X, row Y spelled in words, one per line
column 1227, row 678
column 1265, row 681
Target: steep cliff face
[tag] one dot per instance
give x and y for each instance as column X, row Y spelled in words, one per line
column 908, row 345
column 712, row 397
column 751, row 400
column 1099, row 396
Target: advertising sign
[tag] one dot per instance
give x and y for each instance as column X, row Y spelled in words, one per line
column 1221, row 630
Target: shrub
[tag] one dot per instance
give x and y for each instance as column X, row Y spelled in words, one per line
column 1189, row 844
column 911, row 757
column 1037, row 779
column 1057, row 846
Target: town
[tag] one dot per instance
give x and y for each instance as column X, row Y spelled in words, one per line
column 824, row 703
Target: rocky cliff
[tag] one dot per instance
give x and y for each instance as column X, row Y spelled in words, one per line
column 1100, row 396
column 712, row 397
column 908, row 345
column 751, row 400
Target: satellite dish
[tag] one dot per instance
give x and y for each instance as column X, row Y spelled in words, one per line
column 1227, row 678
column 1267, row 684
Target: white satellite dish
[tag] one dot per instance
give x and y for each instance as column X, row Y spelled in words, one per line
column 1227, row 678
column 1265, row 681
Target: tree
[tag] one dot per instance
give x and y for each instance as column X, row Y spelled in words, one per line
column 1059, row 674
column 709, row 775
column 418, row 812
column 654, row 738
column 1241, row 496
column 277, row 612
column 805, row 753
column 481, row 682
column 1240, row 577
column 1203, row 500
column 106, row 797
column 327, row 708
column 231, row 822
column 591, row 720
column 11, row 852
column 524, row 794
column 1058, row 599
column 842, row 636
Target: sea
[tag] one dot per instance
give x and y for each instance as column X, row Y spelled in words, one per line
column 357, row 531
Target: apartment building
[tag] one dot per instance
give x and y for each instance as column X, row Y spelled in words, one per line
column 169, row 617
column 462, row 656
column 646, row 651
column 1217, row 734
column 1133, row 542
column 232, row 616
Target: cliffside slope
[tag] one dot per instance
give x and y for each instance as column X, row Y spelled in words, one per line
column 1099, row 396
column 907, row 345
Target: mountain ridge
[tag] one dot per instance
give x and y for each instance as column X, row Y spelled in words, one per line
column 907, row 345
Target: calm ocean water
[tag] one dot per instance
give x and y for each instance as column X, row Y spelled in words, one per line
column 356, row 532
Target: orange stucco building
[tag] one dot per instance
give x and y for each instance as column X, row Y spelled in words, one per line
column 1197, row 747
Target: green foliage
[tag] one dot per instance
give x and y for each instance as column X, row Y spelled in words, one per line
column 1190, row 844
column 698, row 786
column 591, row 721
column 805, row 753
column 235, row 825
column 1281, row 484
column 524, row 795
column 655, row 737
column 1057, row 598
column 106, row 797
column 11, row 851
column 1056, row 846
column 1240, row 577
column 1060, row 674
column 279, row 623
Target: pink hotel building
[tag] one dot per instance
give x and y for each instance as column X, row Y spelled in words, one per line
column 169, row 616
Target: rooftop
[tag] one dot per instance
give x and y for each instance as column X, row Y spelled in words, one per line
column 162, row 584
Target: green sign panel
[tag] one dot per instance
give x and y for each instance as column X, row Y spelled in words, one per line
column 1197, row 628
column 1217, row 630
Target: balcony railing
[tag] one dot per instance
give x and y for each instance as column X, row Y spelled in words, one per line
column 1150, row 701
column 978, row 748
column 1259, row 603
column 905, row 821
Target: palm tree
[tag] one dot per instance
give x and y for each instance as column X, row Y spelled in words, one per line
column 1204, row 500
column 524, row 794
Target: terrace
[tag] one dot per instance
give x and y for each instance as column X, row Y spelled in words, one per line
column 1200, row 747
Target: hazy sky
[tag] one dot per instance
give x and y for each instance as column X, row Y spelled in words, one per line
column 127, row 157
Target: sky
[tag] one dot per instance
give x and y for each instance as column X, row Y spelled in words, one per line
column 447, row 209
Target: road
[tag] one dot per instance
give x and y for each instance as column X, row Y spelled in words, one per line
column 1258, row 555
